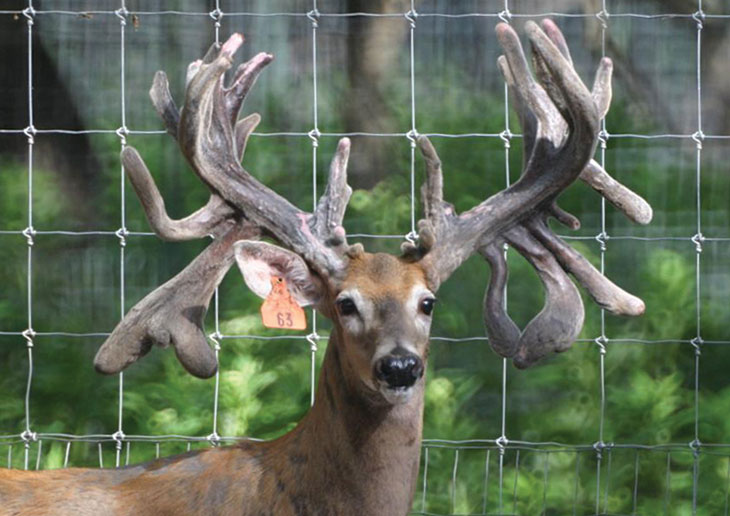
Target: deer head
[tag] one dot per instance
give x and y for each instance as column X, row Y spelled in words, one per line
column 381, row 305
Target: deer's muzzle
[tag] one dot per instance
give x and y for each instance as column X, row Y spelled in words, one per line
column 399, row 370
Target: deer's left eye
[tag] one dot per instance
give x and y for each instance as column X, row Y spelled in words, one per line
column 427, row 305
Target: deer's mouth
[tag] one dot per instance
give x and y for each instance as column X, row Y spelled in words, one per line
column 396, row 395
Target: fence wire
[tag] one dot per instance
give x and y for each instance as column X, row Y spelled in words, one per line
column 499, row 452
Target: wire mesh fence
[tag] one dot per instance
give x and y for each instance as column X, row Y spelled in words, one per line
column 507, row 472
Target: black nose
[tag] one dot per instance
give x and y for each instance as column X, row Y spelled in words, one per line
column 399, row 371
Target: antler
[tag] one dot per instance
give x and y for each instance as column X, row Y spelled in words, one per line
column 239, row 208
column 560, row 120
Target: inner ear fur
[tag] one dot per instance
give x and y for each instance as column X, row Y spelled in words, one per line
column 260, row 261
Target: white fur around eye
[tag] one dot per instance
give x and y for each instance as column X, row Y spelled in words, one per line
column 418, row 294
column 356, row 324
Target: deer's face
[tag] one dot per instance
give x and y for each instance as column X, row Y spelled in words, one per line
column 383, row 313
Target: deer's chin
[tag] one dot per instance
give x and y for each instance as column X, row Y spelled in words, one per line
column 397, row 395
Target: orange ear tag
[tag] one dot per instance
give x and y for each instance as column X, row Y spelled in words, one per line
column 280, row 310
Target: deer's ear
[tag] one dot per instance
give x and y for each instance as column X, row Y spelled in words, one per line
column 260, row 261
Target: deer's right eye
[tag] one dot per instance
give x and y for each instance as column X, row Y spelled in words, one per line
column 346, row 306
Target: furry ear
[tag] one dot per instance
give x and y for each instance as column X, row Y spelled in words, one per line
column 259, row 261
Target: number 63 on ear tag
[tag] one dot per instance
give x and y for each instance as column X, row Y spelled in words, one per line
column 280, row 310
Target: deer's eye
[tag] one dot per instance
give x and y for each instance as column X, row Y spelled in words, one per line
column 346, row 306
column 427, row 305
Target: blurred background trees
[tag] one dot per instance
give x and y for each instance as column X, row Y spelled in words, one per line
column 363, row 86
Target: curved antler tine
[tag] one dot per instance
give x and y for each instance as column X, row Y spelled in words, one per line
column 556, row 36
column 569, row 90
column 164, row 103
column 209, row 73
column 212, row 53
column 207, row 220
column 528, row 121
column 524, row 84
column 333, row 203
column 629, row 202
column 566, row 219
column 601, row 91
column 603, row 291
column 559, row 322
column 244, row 128
column 173, row 313
column 246, row 76
column 432, row 191
column 503, row 333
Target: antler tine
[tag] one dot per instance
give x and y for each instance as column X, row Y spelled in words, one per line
column 504, row 335
column 559, row 322
column 208, row 220
column 331, row 206
column 164, row 103
column 602, row 290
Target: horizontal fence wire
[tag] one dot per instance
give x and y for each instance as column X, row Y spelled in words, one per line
column 501, row 460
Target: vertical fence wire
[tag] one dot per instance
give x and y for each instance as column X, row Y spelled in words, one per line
column 216, row 338
column 602, row 238
column 121, row 13
column 313, row 337
column 28, row 435
column 695, row 445
column 506, row 136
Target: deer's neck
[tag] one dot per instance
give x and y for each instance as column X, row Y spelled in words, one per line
column 352, row 447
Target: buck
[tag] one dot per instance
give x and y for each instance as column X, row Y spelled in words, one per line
column 357, row 450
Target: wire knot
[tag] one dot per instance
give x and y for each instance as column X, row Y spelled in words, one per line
column 412, row 136
column 502, row 443
column 505, row 16
column 216, row 338
column 313, row 338
column 122, row 234
column 695, row 446
column 603, row 16
column 122, row 132
column 314, row 135
column 122, row 14
column 313, row 16
column 411, row 17
column 506, row 137
column 27, row 436
column 699, row 17
column 698, row 138
column 30, row 132
column 214, row 439
column 601, row 343
column 599, row 446
column 602, row 238
column 118, row 437
column 698, row 240
column 217, row 15
column 411, row 237
column 29, row 14
column 29, row 233
column 697, row 345
column 29, row 334
column 603, row 137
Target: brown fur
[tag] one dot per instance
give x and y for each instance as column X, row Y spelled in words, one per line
column 351, row 454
